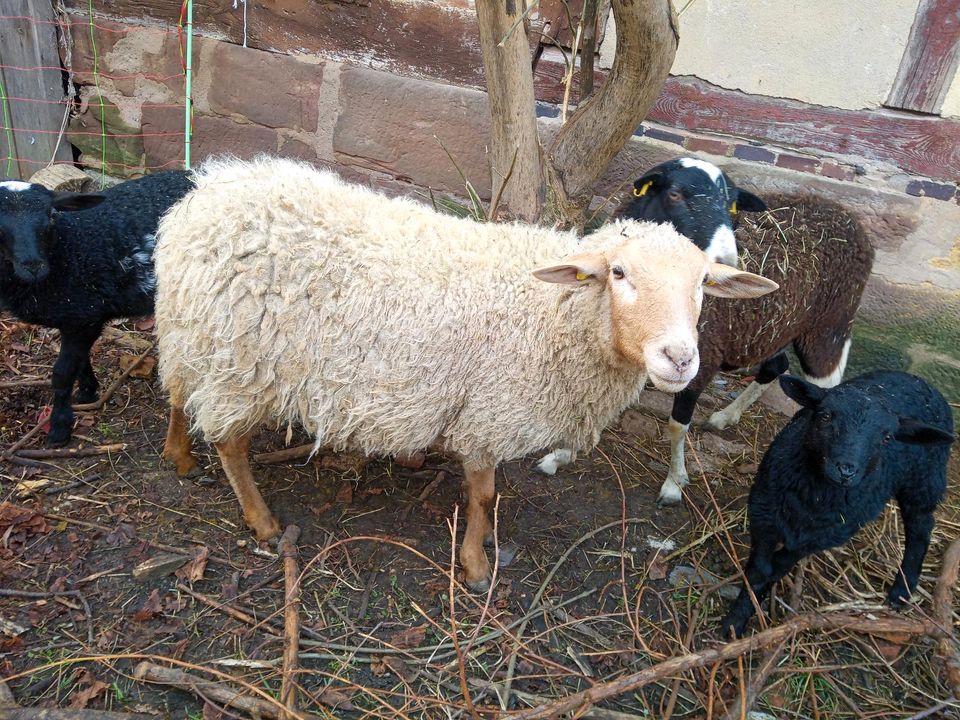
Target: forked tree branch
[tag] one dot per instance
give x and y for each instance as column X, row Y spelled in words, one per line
column 646, row 46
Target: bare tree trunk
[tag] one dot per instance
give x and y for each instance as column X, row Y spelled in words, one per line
column 646, row 45
column 512, row 109
column 589, row 48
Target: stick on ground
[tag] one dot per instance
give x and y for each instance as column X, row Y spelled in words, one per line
column 287, row 548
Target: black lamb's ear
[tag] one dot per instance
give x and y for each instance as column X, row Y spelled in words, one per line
column 652, row 180
column 71, row 202
column 748, row 202
column 921, row 433
column 801, row 391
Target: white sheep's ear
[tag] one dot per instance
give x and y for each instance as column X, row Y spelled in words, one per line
column 728, row 282
column 580, row 268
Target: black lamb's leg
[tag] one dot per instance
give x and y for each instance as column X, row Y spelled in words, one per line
column 917, row 528
column 74, row 352
column 764, row 569
column 87, row 385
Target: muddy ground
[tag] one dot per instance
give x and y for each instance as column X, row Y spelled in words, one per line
column 375, row 554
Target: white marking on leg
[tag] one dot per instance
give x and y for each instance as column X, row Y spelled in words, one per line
column 677, row 476
column 730, row 415
column 709, row 168
column 551, row 462
column 722, row 247
column 15, row 185
column 834, row 378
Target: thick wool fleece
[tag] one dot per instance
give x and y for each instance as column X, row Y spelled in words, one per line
column 286, row 295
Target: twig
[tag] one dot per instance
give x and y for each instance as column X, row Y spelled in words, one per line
column 29, row 382
column 942, row 611
column 257, row 707
column 105, row 397
column 5, row 592
column 76, row 452
column 424, row 494
column 8, row 453
column 578, row 702
column 17, row 713
column 279, row 456
column 741, row 706
column 159, row 546
column 461, row 664
column 230, row 610
column 287, row 548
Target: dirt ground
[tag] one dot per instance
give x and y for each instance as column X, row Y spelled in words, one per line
column 595, row 581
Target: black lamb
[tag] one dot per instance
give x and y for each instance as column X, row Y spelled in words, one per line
column 73, row 261
column 833, row 468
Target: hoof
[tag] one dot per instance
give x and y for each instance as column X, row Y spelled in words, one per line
column 546, row 467
column 668, row 499
column 898, row 599
column 267, row 531
column 488, row 541
column 57, row 439
column 84, row 397
column 729, row 625
column 478, row 586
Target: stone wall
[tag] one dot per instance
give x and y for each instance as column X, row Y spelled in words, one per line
column 405, row 134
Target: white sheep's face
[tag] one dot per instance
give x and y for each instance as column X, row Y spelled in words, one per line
column 654, row 280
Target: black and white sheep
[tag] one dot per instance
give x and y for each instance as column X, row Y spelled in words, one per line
column 289, row 296
column 73, row 261
column 700, row 200
column 833, row 468
column 812, row 247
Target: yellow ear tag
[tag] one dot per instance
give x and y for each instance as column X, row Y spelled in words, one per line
column 643, row 189
column 582, row 276
column 733, row 208
column 711, row 282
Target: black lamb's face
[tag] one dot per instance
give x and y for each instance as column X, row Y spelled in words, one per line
column 27, row 216
column 850, row 427
column 848, row 433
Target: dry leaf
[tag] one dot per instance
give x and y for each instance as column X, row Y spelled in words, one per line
column 193, row 570
column 150, row 608
column 336, row 700
column 143, row 370
column 82, row 698
column 657, row 570
column 378, row 668
column 398, row 667
column 345, row 493
column 410, row 637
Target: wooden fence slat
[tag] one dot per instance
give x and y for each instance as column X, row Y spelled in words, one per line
column 930, row 58
column 28, row 44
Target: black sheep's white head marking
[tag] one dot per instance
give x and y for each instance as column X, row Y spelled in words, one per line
column 698, row 199
column 849, row 427
column 28, row 215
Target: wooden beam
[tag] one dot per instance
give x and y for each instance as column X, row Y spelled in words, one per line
column 930, row 60
column 923, row 145
column 29, row 41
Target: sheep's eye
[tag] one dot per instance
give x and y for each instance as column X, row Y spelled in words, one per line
column 674, row 196
column 824, row 416
column 617, row 272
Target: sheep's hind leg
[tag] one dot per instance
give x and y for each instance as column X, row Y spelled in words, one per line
column 552, row 461
column 236, row 464
column 917, row 527
column 769, row 371
column 87, row 386
column 480, row 491
column 178, row 447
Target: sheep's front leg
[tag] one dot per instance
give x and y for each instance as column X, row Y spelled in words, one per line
column 74, row 352
column 769, row 371
column 917, row 527
column 236, row 465
column 178, row 447
column 683, row 404
column 479, row 487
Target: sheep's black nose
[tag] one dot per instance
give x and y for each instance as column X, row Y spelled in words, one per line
column 846, row 470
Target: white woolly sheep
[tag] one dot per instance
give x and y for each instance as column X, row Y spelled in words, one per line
column 289, row 296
